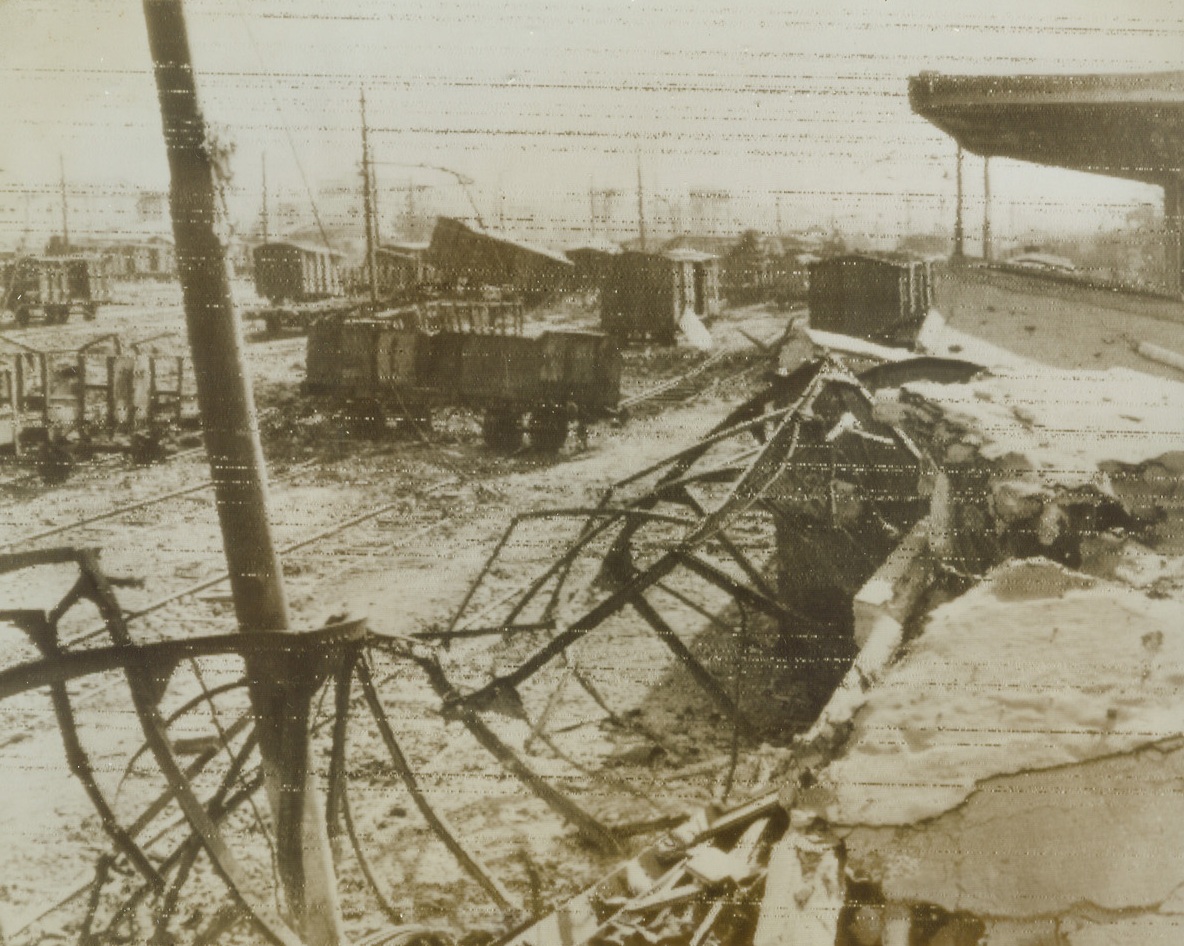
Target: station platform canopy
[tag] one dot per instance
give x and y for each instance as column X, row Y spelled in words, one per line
column 1121, row 125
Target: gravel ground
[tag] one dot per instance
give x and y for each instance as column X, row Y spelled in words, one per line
column 404, row 570
column 445, row 503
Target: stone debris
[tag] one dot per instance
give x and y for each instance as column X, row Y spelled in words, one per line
column 1000, row 760
column 1002, row 763
column 701, row 885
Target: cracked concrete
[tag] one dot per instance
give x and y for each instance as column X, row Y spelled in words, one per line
column 1036, row 667
column 1043, row 843
column 1013, row 773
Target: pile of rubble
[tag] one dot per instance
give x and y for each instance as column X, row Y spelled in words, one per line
column 1001, row 762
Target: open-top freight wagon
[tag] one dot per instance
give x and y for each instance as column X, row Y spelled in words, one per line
column 49, row 288
column 60, row 407
column 524, row 385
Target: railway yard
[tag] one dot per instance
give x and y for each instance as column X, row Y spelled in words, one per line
column 374, row 572
column 358, row 522
column 623, row 729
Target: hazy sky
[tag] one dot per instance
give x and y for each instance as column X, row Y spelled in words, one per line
column 537, row 100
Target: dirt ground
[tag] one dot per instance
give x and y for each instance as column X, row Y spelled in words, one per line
column 445, row 500
column 663, row 749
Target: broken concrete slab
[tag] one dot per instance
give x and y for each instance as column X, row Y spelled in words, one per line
column 892, row 593
column 1034, row 649
column 1040, row 419
column 1103, row 835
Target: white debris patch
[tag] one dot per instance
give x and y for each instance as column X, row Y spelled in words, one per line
column 1060, row 423
column 938, row 338
column 1101, row 838
column 1036, row 667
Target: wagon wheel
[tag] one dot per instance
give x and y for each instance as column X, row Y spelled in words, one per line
column 147, row 448
column 502, row 430
column 55, row 462
column 366, row 418
column 548, row 429
column 417, row 421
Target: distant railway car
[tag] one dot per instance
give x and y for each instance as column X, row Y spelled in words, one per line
column 880, row 299
column 464, row 255
column 297, row 272
column 49, row 288
column 644, row 295
column 547, row 380
column 401, row 269
column 149, row 259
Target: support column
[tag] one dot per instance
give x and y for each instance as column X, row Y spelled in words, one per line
column 959, row 230
column 987, row 254
column 1173, row 219
column 281, row 698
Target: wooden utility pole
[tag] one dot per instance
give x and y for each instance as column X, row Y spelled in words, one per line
column 265, row 222
column 368, row 210
column 959, row 231
column 65, row 210
column 988, row 255
column 640, row 205
column 281, row 695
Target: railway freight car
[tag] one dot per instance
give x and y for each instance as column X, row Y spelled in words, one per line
column 645, row 295
column 302, row 283
column 297, row 272
column 469, row 257
column 49, row 288
column 547, row 381
column 878, row 298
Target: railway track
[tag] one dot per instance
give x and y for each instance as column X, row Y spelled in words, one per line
column 685, row 386
column 307, row 553
column 111, row 463
column 416, row 529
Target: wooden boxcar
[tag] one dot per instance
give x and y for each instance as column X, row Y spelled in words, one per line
column 546, row 381
column 297, row 272
column 880, row 299
column 644, row 295
column 49, row 288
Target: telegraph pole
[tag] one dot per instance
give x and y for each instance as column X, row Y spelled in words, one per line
column 280, row 699
column 987, row 254
column 65, row 212
column 368, row 209
column 640, row 205
column 959, row 232
column 266, row 235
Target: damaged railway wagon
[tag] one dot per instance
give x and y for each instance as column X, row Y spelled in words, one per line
column 381, row 369
column 49, row 288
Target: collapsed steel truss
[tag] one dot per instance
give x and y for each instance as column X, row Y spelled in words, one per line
column 701, row 491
